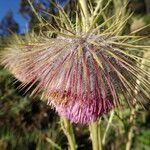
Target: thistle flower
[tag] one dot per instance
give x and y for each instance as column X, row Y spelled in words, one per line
column 85, row 71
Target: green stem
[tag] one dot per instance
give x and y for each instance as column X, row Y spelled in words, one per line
column 86, row 15
column 56, row 146
column 131, row 130
column 68, row 130
column 95, row 134
column 107, row 127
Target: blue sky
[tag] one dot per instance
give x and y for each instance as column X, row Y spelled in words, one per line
column 13, row 5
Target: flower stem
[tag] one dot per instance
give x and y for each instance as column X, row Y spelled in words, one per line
column 68, row 130
column 107, row 127
column 95, row 134
column 85, row 16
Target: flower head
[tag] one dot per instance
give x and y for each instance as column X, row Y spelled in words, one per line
column 82, row 72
